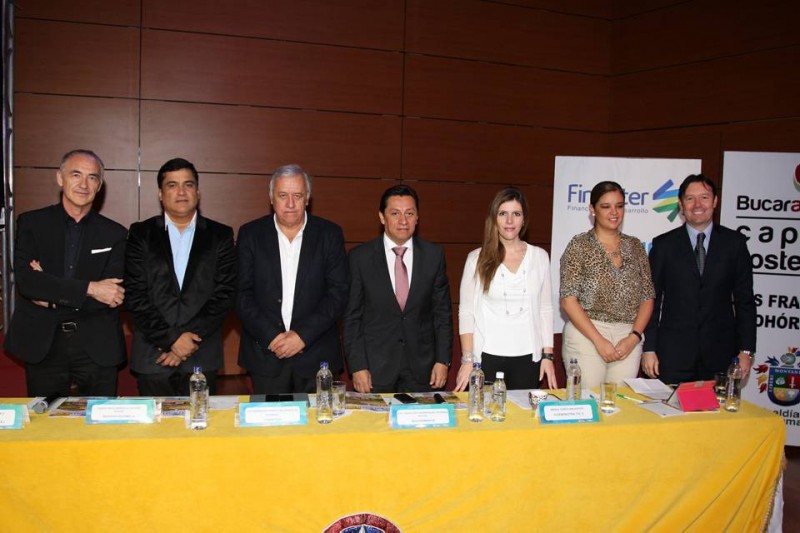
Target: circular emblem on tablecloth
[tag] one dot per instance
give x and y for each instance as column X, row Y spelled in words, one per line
column 362, row 523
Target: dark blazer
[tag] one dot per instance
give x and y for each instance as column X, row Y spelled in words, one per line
column 698, row 319
column 40, row 236
column 320, row 296
column 162, row 310
column 378, row 336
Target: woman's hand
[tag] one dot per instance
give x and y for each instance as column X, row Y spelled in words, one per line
column 462, row 380
column 547, row 368
column 607, row 350
column 626, row 346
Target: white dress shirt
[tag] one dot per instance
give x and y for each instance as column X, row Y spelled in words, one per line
column 290, row 259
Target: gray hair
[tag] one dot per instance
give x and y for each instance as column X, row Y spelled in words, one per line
column 290, row 170
column 87, row 153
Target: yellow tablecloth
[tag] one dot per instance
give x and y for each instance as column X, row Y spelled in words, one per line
column 631, row 472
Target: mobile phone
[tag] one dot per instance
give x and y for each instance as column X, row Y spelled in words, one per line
column 438, row 398
column 402, row 397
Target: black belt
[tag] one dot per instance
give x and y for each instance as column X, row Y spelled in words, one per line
column 68, row 327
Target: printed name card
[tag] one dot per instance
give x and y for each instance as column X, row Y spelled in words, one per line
column 131, row 411
column 11, row 416
column 568, row 412
column 422, row 416
column 255, row 414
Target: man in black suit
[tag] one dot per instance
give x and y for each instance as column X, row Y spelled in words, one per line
column 705, row 311
column 292, row 289
column 68, row 265
column 180, row 276
column 398, row 327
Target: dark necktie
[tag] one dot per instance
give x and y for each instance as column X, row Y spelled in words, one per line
column 400, row 276
column 700, row 252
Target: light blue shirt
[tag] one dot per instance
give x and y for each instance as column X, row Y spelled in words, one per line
column 693, row 235
column 181, row 244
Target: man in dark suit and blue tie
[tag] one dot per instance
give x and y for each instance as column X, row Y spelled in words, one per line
column 180, row 276
column 398, row 327
column 68, row 267
column 705, row 313
column 292, row 289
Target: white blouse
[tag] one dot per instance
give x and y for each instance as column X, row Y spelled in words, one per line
column 517, row 322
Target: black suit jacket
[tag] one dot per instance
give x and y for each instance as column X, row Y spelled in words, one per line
column 162, row 310
column 700, row 319
column 320, row 296
column 381, row 338
column 40, row 236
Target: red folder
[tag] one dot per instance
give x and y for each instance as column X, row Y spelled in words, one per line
column 697, row 396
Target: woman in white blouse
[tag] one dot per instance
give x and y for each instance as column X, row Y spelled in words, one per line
column 505, row 311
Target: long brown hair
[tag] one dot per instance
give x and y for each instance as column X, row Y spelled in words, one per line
column 493, row 252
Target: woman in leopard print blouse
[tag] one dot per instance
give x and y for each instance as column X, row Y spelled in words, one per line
column 607, row 293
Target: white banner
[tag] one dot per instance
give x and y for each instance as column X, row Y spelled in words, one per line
column 651, row 187
column 761, row 199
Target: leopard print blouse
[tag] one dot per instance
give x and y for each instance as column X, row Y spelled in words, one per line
column 606, row 293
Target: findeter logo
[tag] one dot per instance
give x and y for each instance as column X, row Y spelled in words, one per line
column 667, row 200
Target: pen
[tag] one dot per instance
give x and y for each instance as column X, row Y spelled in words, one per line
column 629, row 398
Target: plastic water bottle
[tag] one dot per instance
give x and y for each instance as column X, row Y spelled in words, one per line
column 733, row 394
column 573, row 380
column 476, row 380
column 198, row 399
column 499, row 398
column 324, row 394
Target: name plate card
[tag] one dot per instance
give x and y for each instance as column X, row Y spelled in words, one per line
column 132, row 411
column 12, row 416
column 257, row 414
column 422, row 416
column 568, row 412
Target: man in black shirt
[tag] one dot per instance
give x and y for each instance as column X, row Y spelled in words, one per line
column 68, row 265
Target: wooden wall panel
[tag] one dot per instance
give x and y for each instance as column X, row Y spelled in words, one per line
column 361, row 23
column 702, row 30
column 48, row 126
column 750, row 87
column 104, row 61
column 763, row 136
column 690, row 143
column 236, row 70
column 509, row 34
column 468, row 151
column 632, row 8
column 120, row 12
column 472, row 91
column 456, row 256
column 118, row 199
column 250, row 140
column 588, row 8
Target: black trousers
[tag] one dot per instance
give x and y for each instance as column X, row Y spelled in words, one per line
column 520, row 372
column 405, row 382
column 68, row 365
column 286, row 381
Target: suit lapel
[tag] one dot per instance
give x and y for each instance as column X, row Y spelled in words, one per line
column 272, row 250
column 307, row 247
column 162, row 239
column 416, row 276
column 56, row 238
column 381, row 271
column 199, row 245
